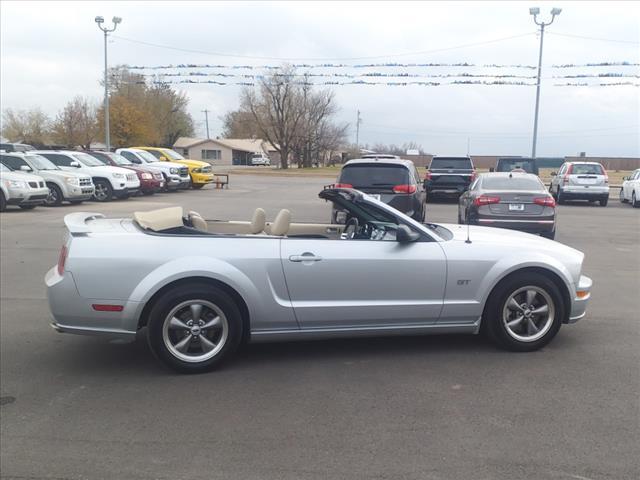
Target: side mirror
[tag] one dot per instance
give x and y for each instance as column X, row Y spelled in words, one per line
column 492, row 169
column 74, row 164
column 341, row 217
column 553, row 174
column 26, row 168
column 405, row 235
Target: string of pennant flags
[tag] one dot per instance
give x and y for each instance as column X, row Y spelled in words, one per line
column 383, row 75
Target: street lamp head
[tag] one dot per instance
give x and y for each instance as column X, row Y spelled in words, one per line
column 534, row 11
column 99, row 20
column 117, row 20
column 555, row 11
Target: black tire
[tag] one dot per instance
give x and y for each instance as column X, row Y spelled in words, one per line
column 621, row 197
column 55, row 197
column 604, row 201
column 3, row 202
column 635, row 203
column 549, row 235
column 494, row 323
column 104, row 191
column 75, row 202
column 559, row 197
column 207, row 296
column 27, row 207
column 148, row 192
column 197, row 186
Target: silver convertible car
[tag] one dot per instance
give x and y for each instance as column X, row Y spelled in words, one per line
column 201, row 287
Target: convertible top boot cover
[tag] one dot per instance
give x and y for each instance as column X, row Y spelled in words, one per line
column 161, row 219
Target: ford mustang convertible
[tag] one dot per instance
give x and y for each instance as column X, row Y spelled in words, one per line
column 201, row 287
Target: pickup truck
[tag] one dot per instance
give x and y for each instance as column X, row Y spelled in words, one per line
column 449, row 176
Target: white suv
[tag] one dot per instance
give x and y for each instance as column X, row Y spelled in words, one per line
column 23, row 189
column 630, row 191
column 176, row 175
column 580, row 181
column 260, row 159
column 109, row 181
column 73, row 187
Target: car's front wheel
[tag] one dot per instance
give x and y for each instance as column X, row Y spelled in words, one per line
column 55, row 197
column 103, row 191
column 194, row 327
column 622, row 199
column 524, row 312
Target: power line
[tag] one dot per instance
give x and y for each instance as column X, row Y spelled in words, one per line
column 630, row 42
column 255, row 57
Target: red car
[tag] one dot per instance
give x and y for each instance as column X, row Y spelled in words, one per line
column 150, row 182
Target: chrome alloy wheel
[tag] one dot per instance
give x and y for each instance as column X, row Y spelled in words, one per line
column 528, row 313
column 100, row 192
column 195, row 330
column 52, row 198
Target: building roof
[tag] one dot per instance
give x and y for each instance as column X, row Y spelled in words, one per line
column 243, row 144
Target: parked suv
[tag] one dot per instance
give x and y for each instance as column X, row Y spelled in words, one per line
column 392, row 181
column 23, row 189
column 580, row 181
column 630, row 191
column 175, row 175
column 109, row 181
column 260, row 159
column 16, row 147
column 150, row 181
column 449, row 176
column 199, row 171
column 509, row 164
column 73, row 187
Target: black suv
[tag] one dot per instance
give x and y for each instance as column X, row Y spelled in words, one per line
column 395, row 182
column 508, row 164
column 449, row 176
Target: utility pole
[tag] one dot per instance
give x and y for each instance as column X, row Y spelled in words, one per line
column 106, row 31
column 535, row 12
column 468, row 145
column 206, row 120
column 358, row 122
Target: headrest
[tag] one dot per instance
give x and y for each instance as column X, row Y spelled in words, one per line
column 197, row 221
column 161, row 219
column 258, row 221
column 280, row 225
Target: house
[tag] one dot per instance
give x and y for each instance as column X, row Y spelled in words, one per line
column 225, row 151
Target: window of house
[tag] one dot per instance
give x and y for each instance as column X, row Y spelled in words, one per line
column 211, row 154
column 185, row 152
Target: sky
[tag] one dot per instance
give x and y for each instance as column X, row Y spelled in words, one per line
column 52, row 51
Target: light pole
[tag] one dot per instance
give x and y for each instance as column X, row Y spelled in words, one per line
column 535, row 12
column 100, row 21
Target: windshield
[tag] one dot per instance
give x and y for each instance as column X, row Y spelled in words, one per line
column 119, row 159
column 515, row 182
column 451, row 163
column 173, row 155
column 367, row 175
column 38, row 162
column 512, row 164
column 146, row 156
column 88, row 160
column 586, row 169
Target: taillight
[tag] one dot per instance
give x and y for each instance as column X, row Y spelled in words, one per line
column 404, row 189
column 485, row 200
column 428, row 175
column 62, row 258
column 343, row 185
column 565, row 178
column 545, row 201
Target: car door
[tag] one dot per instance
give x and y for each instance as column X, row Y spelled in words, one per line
column 364, row 283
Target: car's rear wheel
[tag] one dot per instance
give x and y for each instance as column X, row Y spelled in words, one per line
column 634, row 201
column 194, row 327
column 3, row 202
column 560, row 197
column 104, row 191
column 55, row 196
column 524, row 312
column 604, row 201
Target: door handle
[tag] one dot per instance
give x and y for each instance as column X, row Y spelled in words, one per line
column 305, row 257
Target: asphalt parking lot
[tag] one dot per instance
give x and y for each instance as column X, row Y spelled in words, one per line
column 441, row 407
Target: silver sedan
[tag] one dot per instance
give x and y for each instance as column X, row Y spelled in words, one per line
column 201, row 287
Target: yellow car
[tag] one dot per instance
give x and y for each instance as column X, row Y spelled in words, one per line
column 200, row 172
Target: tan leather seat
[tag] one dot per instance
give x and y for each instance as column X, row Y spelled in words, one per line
column 280, row 225
column 197, row 221
column 258, row 221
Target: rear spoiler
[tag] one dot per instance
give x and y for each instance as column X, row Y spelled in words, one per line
column 76, row 223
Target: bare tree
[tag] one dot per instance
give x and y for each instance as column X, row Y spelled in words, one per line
column 277, row 109
column 239, row 124
column 76, row 124
column 28, row 126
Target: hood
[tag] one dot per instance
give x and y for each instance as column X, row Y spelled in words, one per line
column 63, row 173
column 167, row 165
column 194, row 163
column 109, row 169
column 21, row 177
